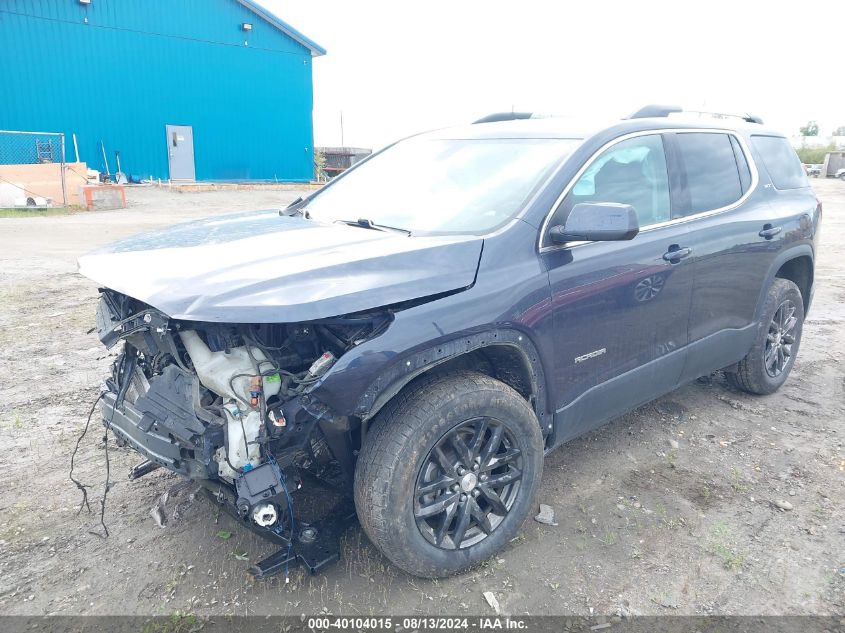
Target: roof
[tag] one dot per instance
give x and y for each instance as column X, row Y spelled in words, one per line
column 284, row 27
column 577, row 128
column 552, row 127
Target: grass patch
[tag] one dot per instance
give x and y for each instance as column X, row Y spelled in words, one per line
column 672, row 458
column 38, row 213
column 175, row 623
column 723, row 546
column 15, row 422
column 737, row 482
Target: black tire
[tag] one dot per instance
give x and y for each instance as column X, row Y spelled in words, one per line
column 399, row 457
column 776, row 341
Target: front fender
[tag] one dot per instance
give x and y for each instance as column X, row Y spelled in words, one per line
column 387, row 373
column 408, row 366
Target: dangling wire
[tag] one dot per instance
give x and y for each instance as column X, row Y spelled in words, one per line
column 126, row 365
column 83, row 487
column 123, row 379
column 106, row 486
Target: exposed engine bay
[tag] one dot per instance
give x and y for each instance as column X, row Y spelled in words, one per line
column 227, row 405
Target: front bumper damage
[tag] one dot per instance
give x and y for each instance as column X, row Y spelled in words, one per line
column 315, row 545
column 155, row 404
column 162, row 425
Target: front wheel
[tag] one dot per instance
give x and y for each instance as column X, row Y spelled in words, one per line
column 766, row 367
column 448, row 473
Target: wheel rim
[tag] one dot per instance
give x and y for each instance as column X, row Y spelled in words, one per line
column 468, row 483
column 780, row 339
column 648, row 288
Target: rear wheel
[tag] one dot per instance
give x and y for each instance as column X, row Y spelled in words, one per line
column 766, row 367
column 448, row 473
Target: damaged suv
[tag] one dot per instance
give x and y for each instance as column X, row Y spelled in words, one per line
column 422, row 330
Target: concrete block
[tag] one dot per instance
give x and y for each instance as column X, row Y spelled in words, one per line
column 103, row 197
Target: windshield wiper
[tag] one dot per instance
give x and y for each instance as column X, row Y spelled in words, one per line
column 364, row 223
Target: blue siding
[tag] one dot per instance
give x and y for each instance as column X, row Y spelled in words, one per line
column 138, row 65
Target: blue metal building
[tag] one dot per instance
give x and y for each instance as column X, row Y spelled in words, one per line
column 149, row 78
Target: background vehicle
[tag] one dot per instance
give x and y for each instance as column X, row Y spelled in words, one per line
column 840, row 174
column 423, row 329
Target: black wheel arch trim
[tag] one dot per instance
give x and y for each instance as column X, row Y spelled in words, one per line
column 800, row 250
column 411, row 365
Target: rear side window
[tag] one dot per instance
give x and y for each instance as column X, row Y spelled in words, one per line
column 781, row 162
column 742, row 165
column 713, row 176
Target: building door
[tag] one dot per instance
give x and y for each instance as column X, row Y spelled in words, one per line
column 180, row 152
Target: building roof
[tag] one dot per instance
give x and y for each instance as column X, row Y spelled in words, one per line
column 284, row 27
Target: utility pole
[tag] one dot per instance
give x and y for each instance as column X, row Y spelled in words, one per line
column 342, row 144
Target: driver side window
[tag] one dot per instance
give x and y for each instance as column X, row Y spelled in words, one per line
column 630, row 172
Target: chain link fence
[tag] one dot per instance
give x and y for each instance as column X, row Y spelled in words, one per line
column 32, row 169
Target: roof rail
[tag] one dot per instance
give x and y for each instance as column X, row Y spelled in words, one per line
column 748, row 118
column 653, row 110
column 503, row 116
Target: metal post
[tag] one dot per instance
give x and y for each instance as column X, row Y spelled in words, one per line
column 64, row 184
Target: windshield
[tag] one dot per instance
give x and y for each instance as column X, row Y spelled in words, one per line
column 435, row 185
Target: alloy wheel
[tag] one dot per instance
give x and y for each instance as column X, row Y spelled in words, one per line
column 467, row 484
column 780, row 339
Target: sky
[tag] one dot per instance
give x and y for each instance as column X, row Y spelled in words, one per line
column 396, row 68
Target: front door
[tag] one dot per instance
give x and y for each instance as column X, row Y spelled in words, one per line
column 621, row 308
column 180, row 152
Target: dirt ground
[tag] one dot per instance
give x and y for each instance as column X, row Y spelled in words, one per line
column 668, row 510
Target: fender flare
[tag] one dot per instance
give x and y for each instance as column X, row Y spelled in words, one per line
column 794, row 252
column 411, row 365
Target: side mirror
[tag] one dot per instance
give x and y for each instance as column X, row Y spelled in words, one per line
column 597, row 222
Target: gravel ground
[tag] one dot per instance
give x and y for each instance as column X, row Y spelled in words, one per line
column 675, row 508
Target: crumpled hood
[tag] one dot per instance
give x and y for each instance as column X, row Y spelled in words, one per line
column 259, row 267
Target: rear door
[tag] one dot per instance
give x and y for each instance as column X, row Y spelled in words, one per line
column 735, row 232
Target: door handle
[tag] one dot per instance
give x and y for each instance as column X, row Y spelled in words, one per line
column 770, row 231
column 676, row 253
